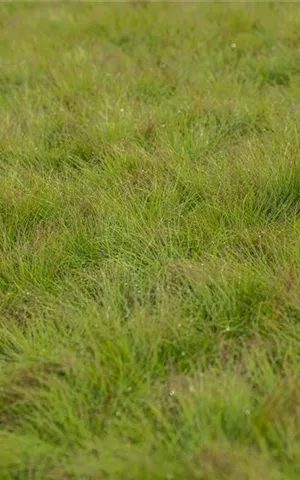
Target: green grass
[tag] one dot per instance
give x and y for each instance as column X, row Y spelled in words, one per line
column 150, row 241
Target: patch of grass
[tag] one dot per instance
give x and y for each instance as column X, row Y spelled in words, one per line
column 149, row 240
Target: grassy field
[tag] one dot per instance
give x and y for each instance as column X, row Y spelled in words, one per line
column 150, row 241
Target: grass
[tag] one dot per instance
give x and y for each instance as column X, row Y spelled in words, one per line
column 149, row 236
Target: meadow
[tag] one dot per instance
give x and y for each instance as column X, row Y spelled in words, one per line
column 149, row 241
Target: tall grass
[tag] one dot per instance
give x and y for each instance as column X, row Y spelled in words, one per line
column 149, row 236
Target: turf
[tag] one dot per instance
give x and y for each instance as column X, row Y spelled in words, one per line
column 149, row 238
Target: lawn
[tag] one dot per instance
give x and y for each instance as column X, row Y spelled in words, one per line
column 149, row 241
